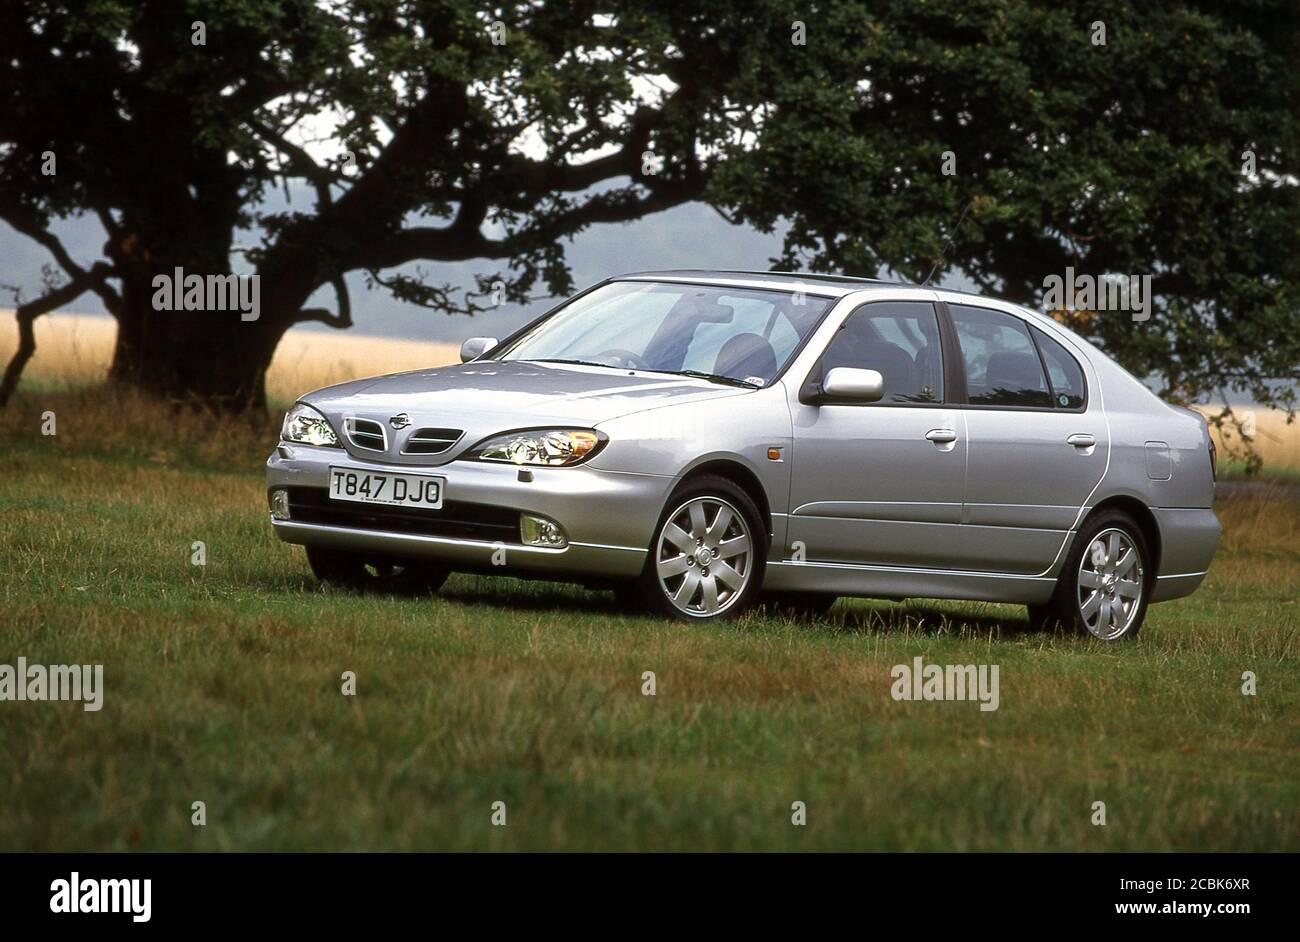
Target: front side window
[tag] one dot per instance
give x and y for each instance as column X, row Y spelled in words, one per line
column 1002, row 364
column 900, row 339
column 740, row 334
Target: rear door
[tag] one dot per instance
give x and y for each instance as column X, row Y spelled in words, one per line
column 1037, row 442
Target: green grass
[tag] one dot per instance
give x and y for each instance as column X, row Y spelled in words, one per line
column 1235, row 470
column 223, row 685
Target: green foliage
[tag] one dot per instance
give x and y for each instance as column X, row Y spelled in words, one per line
column 1125, row 157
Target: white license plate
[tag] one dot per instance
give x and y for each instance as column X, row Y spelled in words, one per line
column 375, row 487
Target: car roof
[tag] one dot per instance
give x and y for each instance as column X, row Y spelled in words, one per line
column 834, row 286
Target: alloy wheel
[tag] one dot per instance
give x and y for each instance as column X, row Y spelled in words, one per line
column 1110, row 584
column 703, row 558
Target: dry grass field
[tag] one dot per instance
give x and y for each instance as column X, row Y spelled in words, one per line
column 1274, row 439
column 75, row 349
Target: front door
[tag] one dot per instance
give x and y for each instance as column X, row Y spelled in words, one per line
column 880, row 483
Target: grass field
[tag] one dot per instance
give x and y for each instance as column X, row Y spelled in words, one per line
column 223, row 685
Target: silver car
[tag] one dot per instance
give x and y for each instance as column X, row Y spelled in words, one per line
column 700, row 442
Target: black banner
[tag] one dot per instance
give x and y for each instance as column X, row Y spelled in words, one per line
column 1221, row 893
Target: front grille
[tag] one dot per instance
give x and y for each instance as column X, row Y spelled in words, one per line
column 456, row 519
column 431, row 441
column 367, row 434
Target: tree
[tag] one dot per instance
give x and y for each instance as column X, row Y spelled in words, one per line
column 496, row 133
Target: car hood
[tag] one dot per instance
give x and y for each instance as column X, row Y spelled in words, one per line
column 487, row 397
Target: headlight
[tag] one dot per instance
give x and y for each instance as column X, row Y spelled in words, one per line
column 305, row 425
column 548, row 446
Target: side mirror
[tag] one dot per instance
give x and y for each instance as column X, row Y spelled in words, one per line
column 475, row 347
column 855, row 385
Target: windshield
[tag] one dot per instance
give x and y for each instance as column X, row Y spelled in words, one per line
column 737, row 334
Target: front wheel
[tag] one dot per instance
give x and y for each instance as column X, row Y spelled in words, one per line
column 1104, row 588
column 707, row 554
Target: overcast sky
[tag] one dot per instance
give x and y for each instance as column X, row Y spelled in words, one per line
column 689, row 236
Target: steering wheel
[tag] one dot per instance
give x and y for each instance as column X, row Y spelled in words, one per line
column 629, row 359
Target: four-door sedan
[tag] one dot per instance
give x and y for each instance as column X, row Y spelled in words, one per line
column 701, row 441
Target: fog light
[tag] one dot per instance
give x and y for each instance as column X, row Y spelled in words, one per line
column 541, row 531
column 280, row 504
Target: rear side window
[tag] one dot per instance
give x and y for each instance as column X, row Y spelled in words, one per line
column 898, row 338
column 1002, row 365
column 1063, row 372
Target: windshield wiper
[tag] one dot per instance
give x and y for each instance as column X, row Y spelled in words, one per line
column 715, row 378
column 577, row 363
column 695, row 374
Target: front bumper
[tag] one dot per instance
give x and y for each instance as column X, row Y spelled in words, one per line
column 609, row 516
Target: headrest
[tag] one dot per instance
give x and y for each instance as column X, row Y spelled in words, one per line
column 892, row 361
column 746, row 355
column 1014, row 372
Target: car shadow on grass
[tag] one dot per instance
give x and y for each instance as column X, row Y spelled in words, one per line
column 859, row 616
column 507, row 593
column 870, row 616
column 848, row 615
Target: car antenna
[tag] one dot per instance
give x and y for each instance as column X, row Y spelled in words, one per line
column 948, row 244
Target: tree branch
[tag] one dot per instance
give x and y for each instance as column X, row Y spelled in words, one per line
column 462, row 240
column 300, row 161
column 25, row 222
column 343, row 319
column 26, row 316
column 29, row 225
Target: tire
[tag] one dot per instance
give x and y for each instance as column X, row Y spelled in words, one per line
column 365, row 573
column 676, row 582
column 798, row 604
column 1105, row 585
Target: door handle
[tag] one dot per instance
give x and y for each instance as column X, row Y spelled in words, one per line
column 1081, row 441
column 941, row 436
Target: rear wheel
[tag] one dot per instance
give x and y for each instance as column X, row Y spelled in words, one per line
column 370, row 573
column 708, row 552
column 1104, row 587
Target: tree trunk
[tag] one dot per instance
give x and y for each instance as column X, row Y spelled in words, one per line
column 171, row 357
column 213, row 357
